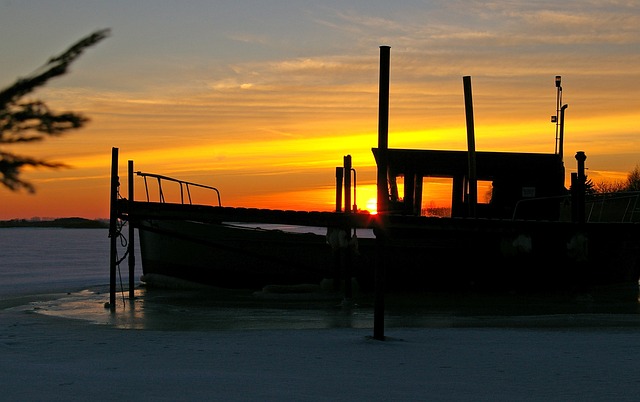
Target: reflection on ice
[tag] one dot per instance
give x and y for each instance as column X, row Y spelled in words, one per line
column 162, row 309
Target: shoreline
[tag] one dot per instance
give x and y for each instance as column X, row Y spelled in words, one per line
column 66, row 223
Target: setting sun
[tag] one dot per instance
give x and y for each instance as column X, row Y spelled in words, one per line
column 372, row 206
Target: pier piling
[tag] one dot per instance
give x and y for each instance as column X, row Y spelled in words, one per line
column 382, row 187
column 347, row 210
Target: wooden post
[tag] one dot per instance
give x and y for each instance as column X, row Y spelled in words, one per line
column 383, row 131
column 347, row 209
column 581, row 180
column 383, row 191
column 339, row 177
column 471, row 144
column 132, row 239
column 335, row 251
column 417, row 196
column 113, row 223
column 409, row 192
column 347, row 183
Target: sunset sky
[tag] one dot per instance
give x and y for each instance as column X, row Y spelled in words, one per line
column 263, row 99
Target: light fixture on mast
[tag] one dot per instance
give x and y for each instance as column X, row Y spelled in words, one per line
column 555, row 119
column 559, row 118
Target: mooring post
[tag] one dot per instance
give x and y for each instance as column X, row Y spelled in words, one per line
column 383, row 131
column 382, row 191
column 113, row 222
column 347, row 228
column 346, row 161
column 131, row 244
column 581, row 180
column 574, row 197
column 331, row 231
column 339, row 178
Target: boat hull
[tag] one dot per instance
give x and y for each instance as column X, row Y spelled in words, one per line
column 232, row 256
column 425, row 254
column 507, row 255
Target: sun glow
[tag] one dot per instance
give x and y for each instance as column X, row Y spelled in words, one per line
column 372, row 206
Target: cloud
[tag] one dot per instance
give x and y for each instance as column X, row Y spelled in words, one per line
column 248, row 38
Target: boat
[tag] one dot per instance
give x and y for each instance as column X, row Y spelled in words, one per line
column 530, row 234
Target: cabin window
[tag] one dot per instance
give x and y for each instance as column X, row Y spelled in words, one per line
column 485, row 191
column 436, row 196
column 397, row 188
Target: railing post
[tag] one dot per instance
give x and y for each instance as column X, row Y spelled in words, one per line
column 131, row 244
column 113, row 222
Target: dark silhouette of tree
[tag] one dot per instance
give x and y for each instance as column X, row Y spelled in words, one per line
column 632, row 183
column 604, row 187
column 589, row 186
column 31, row 120
column 633, row 179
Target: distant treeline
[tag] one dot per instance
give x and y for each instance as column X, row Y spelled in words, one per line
column 72, row 223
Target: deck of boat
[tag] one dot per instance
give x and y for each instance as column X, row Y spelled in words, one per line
column 138, row 210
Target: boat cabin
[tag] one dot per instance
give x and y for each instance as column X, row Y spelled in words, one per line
column 520, row 185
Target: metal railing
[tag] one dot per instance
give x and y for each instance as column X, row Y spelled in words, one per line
column 185, row 186
column 617, row 207
column 527, row 202
column 606, row 207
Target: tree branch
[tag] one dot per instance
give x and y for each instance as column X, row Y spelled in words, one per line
column 35, row 118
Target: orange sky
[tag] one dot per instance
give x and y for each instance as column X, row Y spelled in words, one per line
column 265, row 116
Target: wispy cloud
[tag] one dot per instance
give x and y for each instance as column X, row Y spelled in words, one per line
column 245, row 37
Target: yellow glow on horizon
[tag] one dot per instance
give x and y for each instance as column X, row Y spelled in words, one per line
column 257, row 157
column 321, row 199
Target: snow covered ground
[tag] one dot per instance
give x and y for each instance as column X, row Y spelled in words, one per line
column 48, row 358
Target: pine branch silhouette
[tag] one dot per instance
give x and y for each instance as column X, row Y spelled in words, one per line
column 30, row 121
